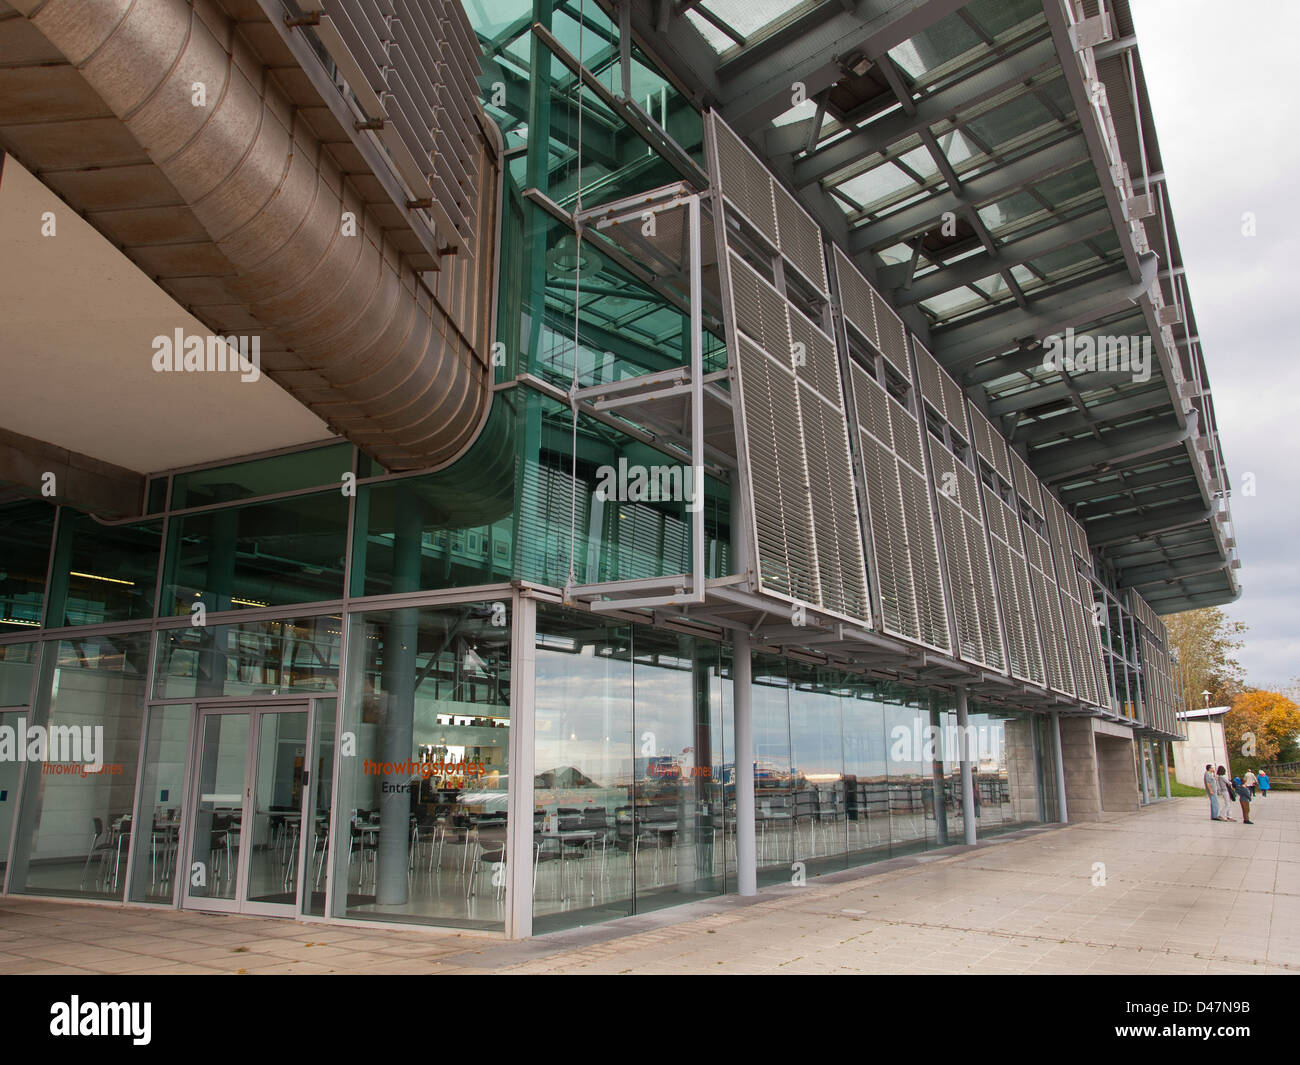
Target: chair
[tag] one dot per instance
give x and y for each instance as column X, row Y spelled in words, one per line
column 99, row 846
column 490, row 850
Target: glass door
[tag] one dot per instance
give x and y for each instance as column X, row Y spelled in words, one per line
column 246, row 826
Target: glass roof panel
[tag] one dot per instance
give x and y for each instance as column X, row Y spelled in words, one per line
column 933, row 47
column 920, row 161
column 716, row 39
column 1003, row 213
column 752, row 17
column 949, row 303
column 1013, row 119
column 1070, row 184
column 876, row 185
column 998, row 16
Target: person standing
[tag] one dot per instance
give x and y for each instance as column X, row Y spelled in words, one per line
column 1243, row 796
column 1250, row 780
column 1264, row 784
column 1226, row 794
column 1212, row 790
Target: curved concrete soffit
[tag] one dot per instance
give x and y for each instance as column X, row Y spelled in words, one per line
column 403, row 381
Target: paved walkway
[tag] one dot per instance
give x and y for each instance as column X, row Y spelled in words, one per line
column 1181, row 894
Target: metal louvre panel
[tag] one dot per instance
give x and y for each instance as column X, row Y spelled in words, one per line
column 841, row 566
column 968, row 492
column 745, row 181
column 1034, row 639
column 929, row 374
column 893, row 574
column 857, row 299
column 932, row 612
column 893, row 337
column 954, row 403
column 1092, row 645
column 993, row 511
column 1048, row 626
column 873, row 406
column 1071, row 608
column 800, row 239
column 1014, row 622
column 778, row 476
column 400, row 46
column 988, row 442
column 761, row 311
column 907, row 434
column 821, row 366
column 1079, row 541
column 961, row 582
column 1026, row 483
column 1051, row 618
column 986, row 606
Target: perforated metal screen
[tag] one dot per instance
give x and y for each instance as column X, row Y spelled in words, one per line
column 961, row 521
column 807, row 530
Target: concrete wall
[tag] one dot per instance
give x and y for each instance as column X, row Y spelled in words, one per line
column 1117, row 773
column 1082, row 795
column 1205, row 743
column 1022, row 782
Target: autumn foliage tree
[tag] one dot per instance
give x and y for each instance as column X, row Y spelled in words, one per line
column 1206, row 643
column 1260, row 726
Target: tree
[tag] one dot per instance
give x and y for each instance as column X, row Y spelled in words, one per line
column 1259, row 728
column 1205, row 643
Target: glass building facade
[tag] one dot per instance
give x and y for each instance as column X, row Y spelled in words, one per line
column 249, row 738
column 302, row 685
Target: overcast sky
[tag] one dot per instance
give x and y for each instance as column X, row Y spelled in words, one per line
column 1222, row 84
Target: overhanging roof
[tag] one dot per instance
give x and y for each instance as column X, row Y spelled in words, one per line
column 965, row 158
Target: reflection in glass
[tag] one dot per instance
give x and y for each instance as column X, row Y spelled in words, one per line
column 218, row 832
column 162, row 791
column 773, row 779
column 587, row 835
column 280, row 761
column 75, row 830
column 424, row 811
column 817, row 748
column 26, row 528
column 103, row 573
column 317, row 829
column 252, row 658
column 262, row 477
column 262, row 554
column 679, row 813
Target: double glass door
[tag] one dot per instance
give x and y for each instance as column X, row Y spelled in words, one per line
column 250, row 787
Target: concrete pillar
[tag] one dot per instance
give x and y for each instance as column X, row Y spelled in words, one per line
column 967, row 776
column 1140, row 750
column 742, row 707
column 396, row 734
column 1062, row 811
column 523, row 717
column 937, row 778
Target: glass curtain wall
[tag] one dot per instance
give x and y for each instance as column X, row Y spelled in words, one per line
column 161, row 801
column 75, row 824
column 424, row 766
column 634, row 789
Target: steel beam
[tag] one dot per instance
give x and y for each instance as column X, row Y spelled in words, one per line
column 984, row 189
column 1006, row 74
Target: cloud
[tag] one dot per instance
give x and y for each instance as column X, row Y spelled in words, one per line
column 1223, row 104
